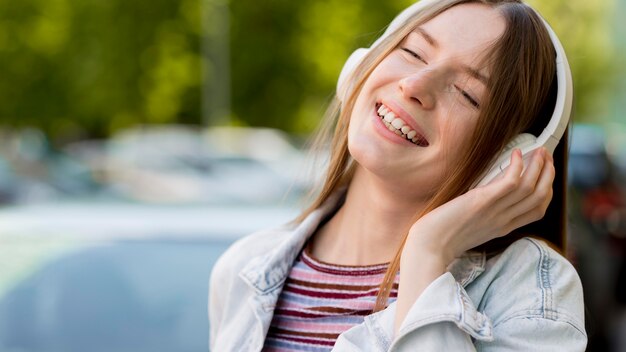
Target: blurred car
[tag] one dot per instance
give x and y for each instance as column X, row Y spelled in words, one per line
column 114, row 277
column 181, row 164
column 32, row 171
column 117, row 255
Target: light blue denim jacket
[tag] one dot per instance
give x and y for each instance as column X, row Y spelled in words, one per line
column 527, row 298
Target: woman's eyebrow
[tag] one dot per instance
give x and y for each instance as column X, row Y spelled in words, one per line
column 470, row 70
column 429, row 38
column 476, row 74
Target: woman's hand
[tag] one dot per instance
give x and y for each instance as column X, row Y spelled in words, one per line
column 515, row 199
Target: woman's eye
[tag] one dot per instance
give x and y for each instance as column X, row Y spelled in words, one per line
column 469, row 98
column 414, row 54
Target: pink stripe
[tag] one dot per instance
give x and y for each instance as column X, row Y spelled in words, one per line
column 296, row 325
column 322, row 293
column 329, row 293
column 343, row 270
column 331, row 290
column 299, row 274
column 313, row 342
column 317, row 315
column 332, row 294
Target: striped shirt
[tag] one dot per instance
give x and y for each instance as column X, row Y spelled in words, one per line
column 319, row 301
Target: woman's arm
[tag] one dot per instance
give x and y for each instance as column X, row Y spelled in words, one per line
column 530, row 299
column 520, row 197
column 433, row 311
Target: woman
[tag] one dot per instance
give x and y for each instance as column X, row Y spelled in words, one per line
column 419, row 119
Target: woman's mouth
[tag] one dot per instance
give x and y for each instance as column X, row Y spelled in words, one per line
column 400, row 127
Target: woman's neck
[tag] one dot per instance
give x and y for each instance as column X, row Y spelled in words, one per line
column 369, row 226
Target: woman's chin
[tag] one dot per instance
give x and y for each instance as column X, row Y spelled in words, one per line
column 370, row 155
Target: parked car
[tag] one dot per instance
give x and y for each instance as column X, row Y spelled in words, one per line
column 114, row 277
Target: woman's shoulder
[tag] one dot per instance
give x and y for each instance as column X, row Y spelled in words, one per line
column 532, row 262
column 238, row 254
column 530, row 279
column 534, row 255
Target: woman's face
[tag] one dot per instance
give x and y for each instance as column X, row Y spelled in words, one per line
column 420, row 104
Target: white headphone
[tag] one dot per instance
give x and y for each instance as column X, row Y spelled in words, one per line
column 526, row 142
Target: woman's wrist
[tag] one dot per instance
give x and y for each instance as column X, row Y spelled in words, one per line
column 429, row 246
column 419, row 267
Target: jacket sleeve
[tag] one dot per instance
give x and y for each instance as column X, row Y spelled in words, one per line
column 532, row 297
column 443, row 318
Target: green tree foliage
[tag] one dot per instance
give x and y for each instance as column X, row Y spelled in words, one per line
column 286, row 55
column 87, row 68
column 584, row 28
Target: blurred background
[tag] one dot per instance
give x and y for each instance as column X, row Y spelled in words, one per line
column 136, row 135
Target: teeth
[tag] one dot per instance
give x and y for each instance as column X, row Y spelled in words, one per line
column 397, row 125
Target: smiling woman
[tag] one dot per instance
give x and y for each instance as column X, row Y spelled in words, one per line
column 421, row 237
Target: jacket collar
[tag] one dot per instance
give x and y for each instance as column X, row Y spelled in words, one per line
column 268, row 271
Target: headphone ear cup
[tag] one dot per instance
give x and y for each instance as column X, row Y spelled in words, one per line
column 348, row 68
column 521, row 141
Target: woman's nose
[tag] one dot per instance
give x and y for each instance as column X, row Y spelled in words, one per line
column 419, row 87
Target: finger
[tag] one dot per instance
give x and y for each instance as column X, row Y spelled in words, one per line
column 531, row 174
column 500, row 194
column 528, row 180
column 526, row 218
column 548, row 173
column 516, row 223
column 516, row 165
column 536, row 203
column 511, row 177
column 542, row 189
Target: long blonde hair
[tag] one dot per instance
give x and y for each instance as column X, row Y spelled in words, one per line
column 523, row 84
